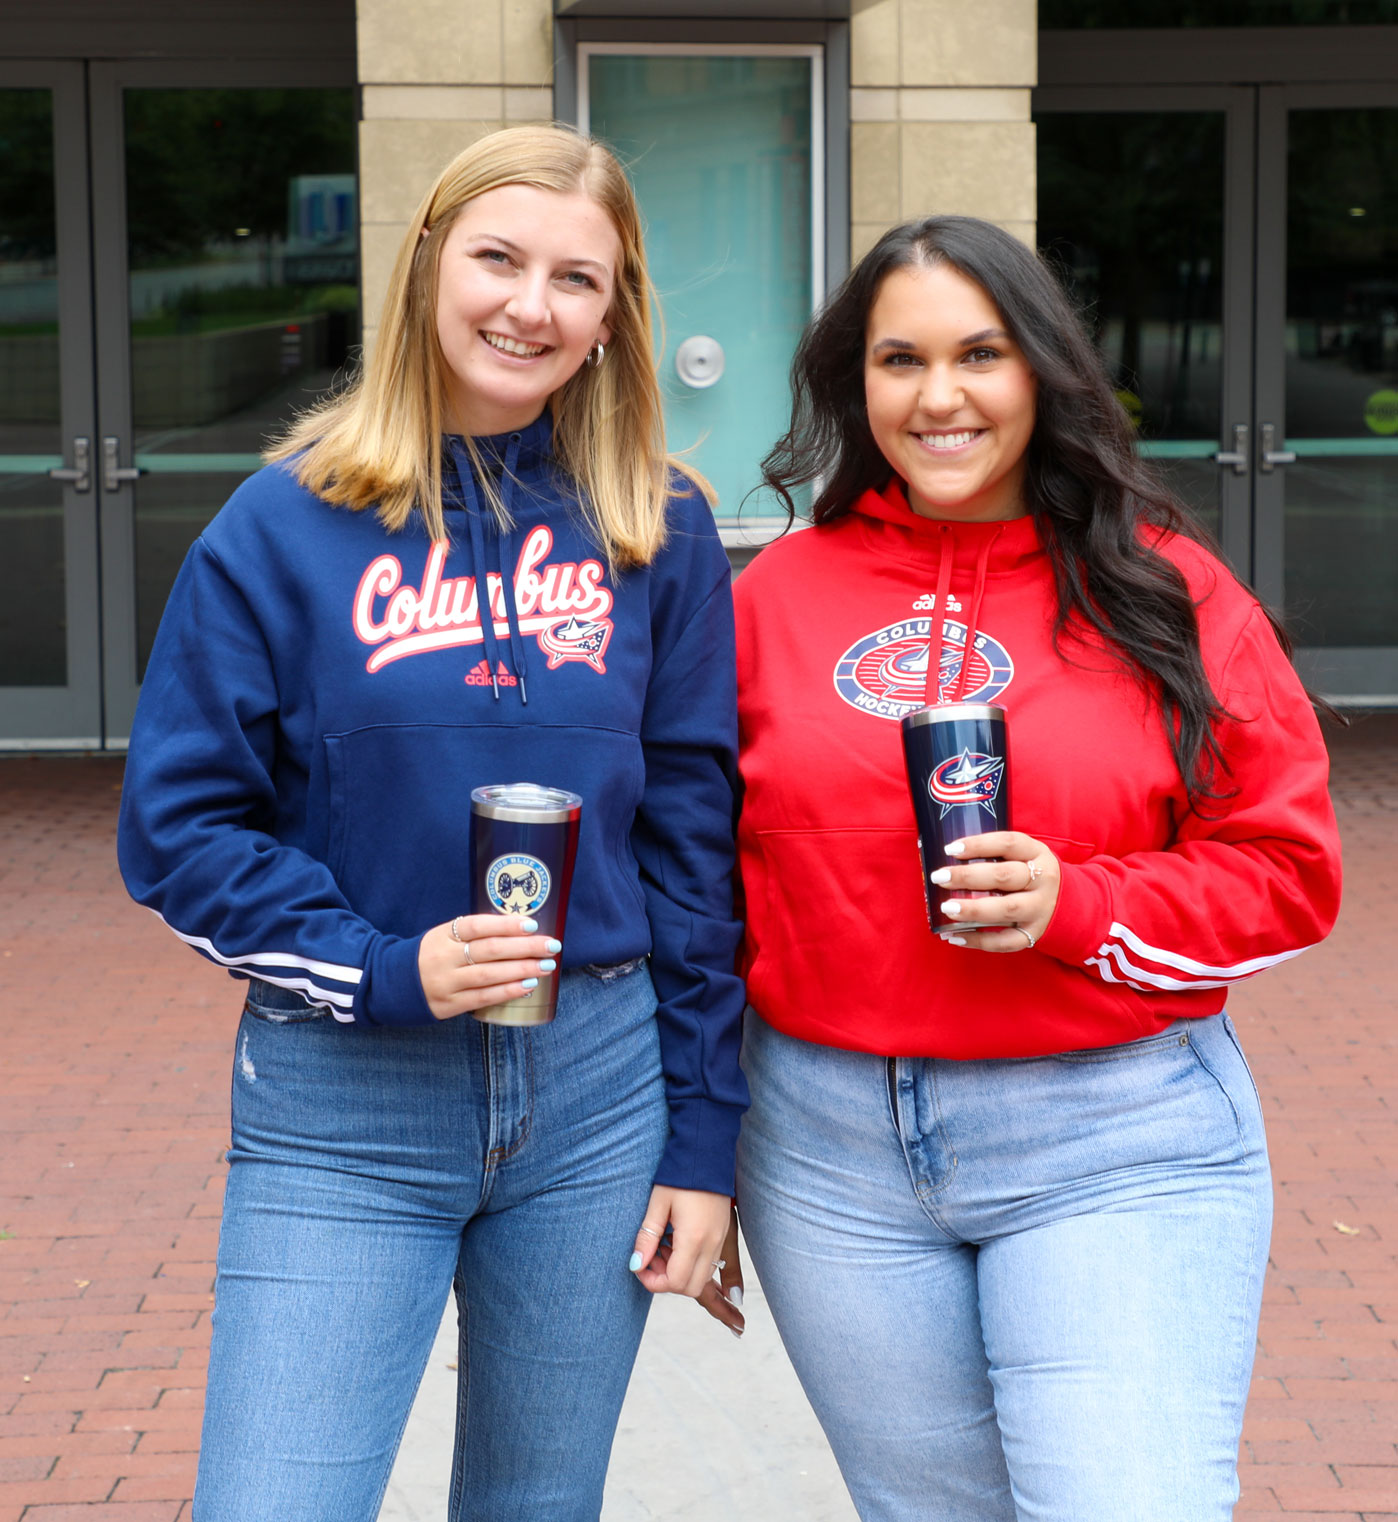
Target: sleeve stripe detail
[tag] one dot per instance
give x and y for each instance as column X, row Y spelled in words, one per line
column 318, row 995
column 261, row 960
column 1120, row 932
column 1145, row 980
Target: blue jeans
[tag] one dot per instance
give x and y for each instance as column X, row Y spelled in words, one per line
column 372, row 1169
column 1015, row 1289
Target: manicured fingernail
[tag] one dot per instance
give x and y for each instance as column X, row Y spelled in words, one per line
column 951, row 908
column 554, row 946
column 529, row 926
column 942, row 876
column 635, row 1262
column 547, row 965
column 735, row 1332
column 735, row 1297
column 530, row 982
column 956, row 848
column 956, row 940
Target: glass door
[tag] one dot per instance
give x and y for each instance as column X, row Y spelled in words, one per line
column 50, row 672
column 1145, row 206
column 1327, row 380
column 724, row 144
column 227, row 301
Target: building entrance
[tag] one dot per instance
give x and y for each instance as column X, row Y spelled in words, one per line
column 1237, row 247
column 178, row 275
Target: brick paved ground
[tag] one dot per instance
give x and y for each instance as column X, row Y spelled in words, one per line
column 114, row 1056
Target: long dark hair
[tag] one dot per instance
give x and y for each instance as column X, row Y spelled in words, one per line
column 1088, row 490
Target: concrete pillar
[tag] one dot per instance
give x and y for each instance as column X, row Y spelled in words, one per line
column 939, row 113
column 436, row 75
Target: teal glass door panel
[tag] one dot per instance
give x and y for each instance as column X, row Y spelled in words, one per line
column 722, row 151
column 1131, row 213
column 242, row 297
column 1341, row 377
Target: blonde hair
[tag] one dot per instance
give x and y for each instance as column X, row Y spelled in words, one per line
column 378, row 444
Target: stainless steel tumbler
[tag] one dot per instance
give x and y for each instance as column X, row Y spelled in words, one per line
column 957, row 756
column 524, row 839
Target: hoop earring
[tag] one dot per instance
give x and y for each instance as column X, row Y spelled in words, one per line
column 595, row 355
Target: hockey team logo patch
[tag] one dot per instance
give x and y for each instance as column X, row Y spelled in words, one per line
column 517, row 884
column 885, row 673
column 967, row 781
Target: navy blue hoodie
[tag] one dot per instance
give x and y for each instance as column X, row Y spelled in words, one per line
column 322, row 697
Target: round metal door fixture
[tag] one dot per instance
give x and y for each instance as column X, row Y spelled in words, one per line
column 699, row 361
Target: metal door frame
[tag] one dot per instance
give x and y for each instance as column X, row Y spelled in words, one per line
column 1359, row 675
column 111, row 299
column 68, row 717
column 1237, row 104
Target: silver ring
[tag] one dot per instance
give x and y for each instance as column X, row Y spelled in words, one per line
column 651, row 1231
column 1036, row 871
column 466, row 952
column 1025, row 934
column 454, row 935
column 720, row 1262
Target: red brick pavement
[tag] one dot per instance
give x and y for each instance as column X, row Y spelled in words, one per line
column 114, row 1059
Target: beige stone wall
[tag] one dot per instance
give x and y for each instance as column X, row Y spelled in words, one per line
column 939, row 109
column 436, row 75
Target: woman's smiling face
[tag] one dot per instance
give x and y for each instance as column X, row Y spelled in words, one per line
column 523, row 289
column 950, row 395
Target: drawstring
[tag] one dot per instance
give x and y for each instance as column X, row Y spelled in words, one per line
column 931, row 687
column 973, row 622
column 947, row 541
column 484, row 601
column 507, row 577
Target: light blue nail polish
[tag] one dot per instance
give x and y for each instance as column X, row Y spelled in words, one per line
column 531, row 982
column 529, row 926
column 635, row 1262
column 554, row 947
column 547, row 966
column 942, row 876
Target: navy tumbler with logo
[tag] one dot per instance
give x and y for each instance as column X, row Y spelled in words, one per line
column 958, row 775
column 524, row 839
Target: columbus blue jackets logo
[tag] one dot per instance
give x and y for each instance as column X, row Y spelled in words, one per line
column 885, row 673
column 577, row 639
column 967, row 781
column 517, row 884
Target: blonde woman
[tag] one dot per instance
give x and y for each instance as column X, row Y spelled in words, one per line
column 478, row 565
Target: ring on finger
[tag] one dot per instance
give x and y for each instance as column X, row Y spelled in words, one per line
column 1026, row 936
column 466, row 952
column 651, row 1231
column 720, row 1262
column 1036, row 871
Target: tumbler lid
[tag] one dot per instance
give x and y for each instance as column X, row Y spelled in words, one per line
column 525, row 803
column 941, row 713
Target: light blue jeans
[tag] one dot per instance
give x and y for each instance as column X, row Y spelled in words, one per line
column 1019, row 1289
column 372, row 1168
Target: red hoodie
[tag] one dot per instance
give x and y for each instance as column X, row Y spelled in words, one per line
column 1160, row 909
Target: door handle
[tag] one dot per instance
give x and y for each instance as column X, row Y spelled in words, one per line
column 1237, row 457
column 1268, row 458
column 80, row 472
column 112, row 473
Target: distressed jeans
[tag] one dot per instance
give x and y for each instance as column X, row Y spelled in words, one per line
column 1018, row 1289
column 374, row 1168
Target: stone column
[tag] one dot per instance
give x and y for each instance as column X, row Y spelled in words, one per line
column 436, row 75
column 939, row 112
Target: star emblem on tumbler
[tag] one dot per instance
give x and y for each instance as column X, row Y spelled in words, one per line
column 968, row 779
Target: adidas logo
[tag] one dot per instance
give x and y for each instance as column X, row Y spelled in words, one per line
column 479, row 675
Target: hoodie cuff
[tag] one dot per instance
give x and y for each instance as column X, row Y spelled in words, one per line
column 702, row 1147
column 1081, row 916
column 390, row 992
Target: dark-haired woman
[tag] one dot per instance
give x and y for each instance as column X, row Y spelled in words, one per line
column 1008, row 1191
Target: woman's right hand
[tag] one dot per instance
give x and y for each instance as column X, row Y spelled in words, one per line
column 492, row 959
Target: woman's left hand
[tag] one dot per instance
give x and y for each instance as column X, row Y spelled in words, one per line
column 698, row 1224
column 1027, row 878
